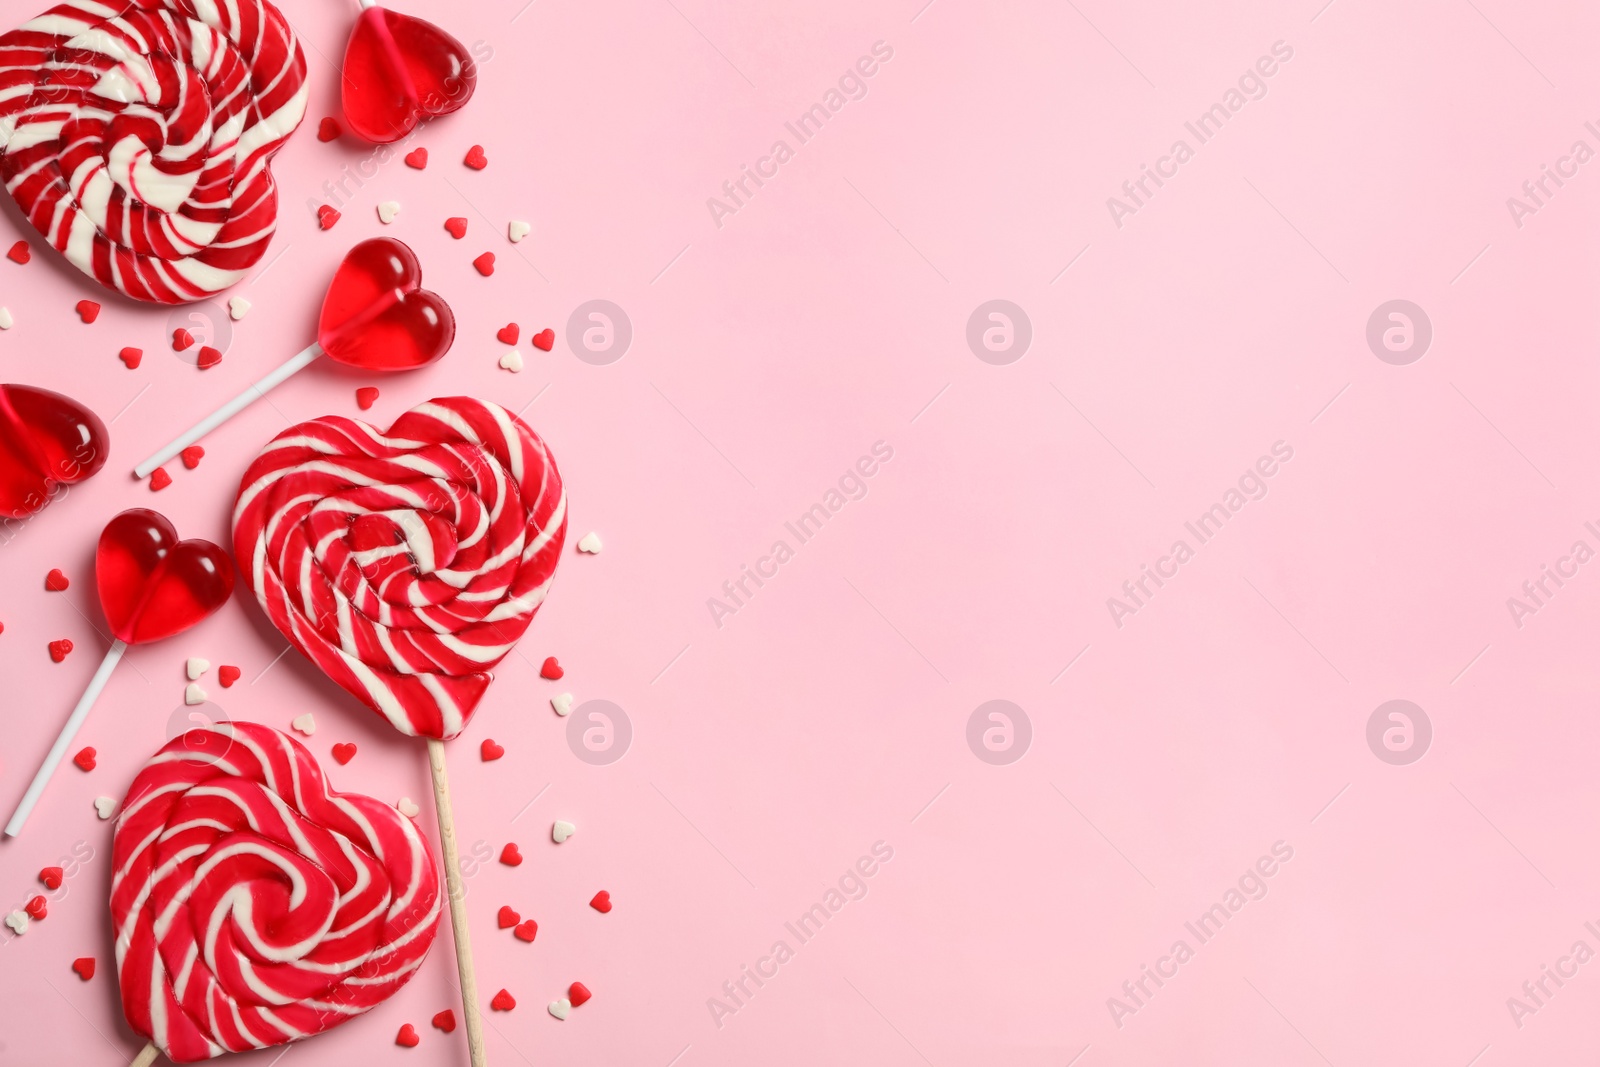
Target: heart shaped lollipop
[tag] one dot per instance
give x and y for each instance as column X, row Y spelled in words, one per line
column 46, row 441
column 375, row 316
column 151, row 586
column 399, row 70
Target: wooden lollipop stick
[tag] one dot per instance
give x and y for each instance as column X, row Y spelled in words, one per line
column 458, row 903
column 146, row 1056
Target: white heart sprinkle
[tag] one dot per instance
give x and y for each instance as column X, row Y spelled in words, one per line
column 518, row 230
column 562, row 830
column 193, row 694
column 559, row 1008
column 512, row 361
column 6, row 322
column 238, row 308
column 408, row 807
column 590, row 543
column 562, row 702
column 196, row 666
column 388, row 210
column 18, row 921
column 305, row 724
column 104, row 806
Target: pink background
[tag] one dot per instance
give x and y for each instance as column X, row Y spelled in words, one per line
column 830, row 712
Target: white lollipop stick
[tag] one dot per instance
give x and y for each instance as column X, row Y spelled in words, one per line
column 52, row 759
column 227, row 411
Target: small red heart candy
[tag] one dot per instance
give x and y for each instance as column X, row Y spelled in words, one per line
column 509, row 333
column 84, row 965
column 36, row 907
column 602, row 902
column 457, row 227
column 407, row 1037
column 551, row 669
column 417, row 158
column 445, row 1020
column 60, row 649
column 399, row 70
column 209, row 357
column 484, row 264
column 88, row 310
column 181, row 339
column 159, row 479
column 527, row 931
column 508, row 917
column 503, row 1001
column 192, row 456
column 85, row 758
column 343, row 753
column 227, row 675
column 51, row 877
column 327, row 216
column 578, row 994
column 20, row 252
column 329, row 129
column 475, row 158
column 366, row 396
column 510, row 856
column 153, row 585
column 544, row 340
column 47, row 441
column 56, row 581
column 490, row 751
column 377, row 316
column 131, row 356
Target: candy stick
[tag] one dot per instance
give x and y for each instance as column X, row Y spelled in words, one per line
column 52, row 759
column 458, row 903
column 146, row 1056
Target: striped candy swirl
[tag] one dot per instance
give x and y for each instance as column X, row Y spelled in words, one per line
column 404, row 564
column 137, row 137
column 253, row 905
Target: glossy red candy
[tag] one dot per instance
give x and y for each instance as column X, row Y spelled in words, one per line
column 377, row 316
column 153, row 585
column 399, row 70
column 47, row 441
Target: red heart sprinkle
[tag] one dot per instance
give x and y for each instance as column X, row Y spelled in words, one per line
column 131, row 356
column 510, row 856
column 51, row 877
column 84, row 965
column 417, row 158
column 159, row 479
column 485, row 264
column 181, row 339
column 326, row 217
column 343, row 753
column 503, row 1001
column 88, row 310
column 544, row 340
column 192, row 456
column 36, row 907
column 509, row 333
column 366, row 396
column 227, row 675
column 475, row 158
column 527, row 931
column 209, row 357
column 59, row 649
column 85, row 758
column 407, row 1037
column 20, row 252
column 457, row 227
column 56, row 581
column 578, row 994
column 602, row 902
column 329, row 130
column 490, row 751
column 508, row 917
column 551, row 669
column 445, row 1020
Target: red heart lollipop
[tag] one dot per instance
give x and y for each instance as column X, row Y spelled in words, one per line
column 46, row 441
column 153, row 585
column 377, row 316
column 399, row 70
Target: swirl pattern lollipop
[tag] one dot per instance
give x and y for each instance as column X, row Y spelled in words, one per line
column 253, row 905
column 404, row 564
column 138, row 136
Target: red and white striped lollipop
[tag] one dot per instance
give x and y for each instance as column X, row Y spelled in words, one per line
column 253, row 905
column 137, row 137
